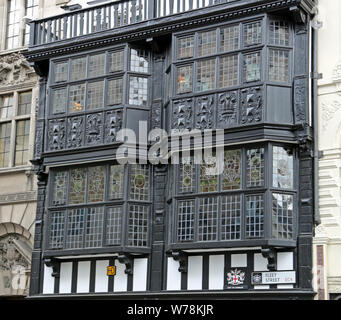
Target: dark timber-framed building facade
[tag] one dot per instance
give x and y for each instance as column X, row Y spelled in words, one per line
column 245, row 67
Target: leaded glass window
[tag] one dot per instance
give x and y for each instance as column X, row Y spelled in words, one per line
column 22, row 142
column 59, row 100
column 78, row 69
column 186, row 47
column 114, row 225
column 138, row 226
column 96, row 184
column 231, row 177
column 251, row 69
column 94, row 227
column 282, row 216
column 77, row 98
column 77, row 186
column 279, row 65
column 75, row 229
column 185, row 228
column 206, row 75
column 59, row 193
column 207, row 43
column 208, row 176
column 255, row 167
column 208, row 219
column 61, row 71
column 229, row 38
column 138, row 91
column 283, row 168
column 254, row 216
column 95, row 95
column 231, row 217
column 115, row 91
column 279, row 33
column 228, row 71
column 139, row 61
column 185, row 79
column 186, row 175
column 116, row 61
column 139, row 182
column 57, row 227
column 252, row 33
column 97, row 65
column 116, row 181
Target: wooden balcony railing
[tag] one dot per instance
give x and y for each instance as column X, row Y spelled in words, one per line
column 109, row 16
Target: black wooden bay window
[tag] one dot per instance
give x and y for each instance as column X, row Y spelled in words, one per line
column 99, row 206
column 253, row 198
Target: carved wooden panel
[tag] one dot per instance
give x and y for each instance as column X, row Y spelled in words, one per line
column 227, row 109
column 182, row 117
column 75, row 132
column 251, row 105
column 113, row 123
column 204, row 115
column 300, row 99
column 38, row 146
column 94, row 129
column 156, row 115
column 56, row 134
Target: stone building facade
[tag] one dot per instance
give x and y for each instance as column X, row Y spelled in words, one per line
column 327, row 241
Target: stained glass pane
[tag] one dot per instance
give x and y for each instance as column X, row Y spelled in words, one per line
column 208, row 219
column 138, row 226
column 77, row 98
column 96, row 65
column 185, row 79
column 78, row 69
column 94, row 227
column 229, row 39
column 207, row 43
column 139, row 182
column 208, row 176
column 255, row 167
column 59, row 100
column 231, row 178
column 57, row 226
column 230, row 217
column 282, row 216
column 60, row 188
column 254, row 216
column 185, row 47
column 96, row 184
column 185, row 229
column 114, row 225
column 252, row 33
column 283, row 168
column 77, row 186
column 116, row 181
column 186, row 175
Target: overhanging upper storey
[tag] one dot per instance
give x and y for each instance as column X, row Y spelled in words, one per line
column 128, row 20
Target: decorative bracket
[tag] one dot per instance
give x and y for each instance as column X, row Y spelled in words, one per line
column 182, row 258
column 54, row 264
column 127, row 259
column 270, row 254
column 299, row 15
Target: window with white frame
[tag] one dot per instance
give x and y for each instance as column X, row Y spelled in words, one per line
column 15, row 124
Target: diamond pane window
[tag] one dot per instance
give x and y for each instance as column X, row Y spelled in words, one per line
column 208, row 219
column 116, row 61
column 114, row 226
column 139, row 61
column 185, row 79
column 77, row 98
column 229, row 38
column 279, row 33
column 77, row 186
column 6, row 106
column 282, row 216
column 231, row 217
column 283, row 168
column 138, row 226
column 78, row 69
column 254, row 216
column 59, row 193
column 186, row 47
column 57, row 225
column 95, row 95
column 207, row 43
column 115, row 91
column 231, row 177
column 185, row 229
column 5, row 139
column 228, row 71
column 116, row 182
column 75, row 229
column 252, row 33
column 25, row 102
column 59, row 100
column 278, row 65
column 251, row 68
column 96, row 184
column 22, row 142
column 61, row 71
column 139, row 182
column 94, row 227
column 187, row 175
column 206, row 75
column 138, row 91
column 208, row 176
column 255, row 167
column 97, row 65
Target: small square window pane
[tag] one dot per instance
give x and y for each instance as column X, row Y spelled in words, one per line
column 206, row 75
column 252, row 33
column 60, row 72
column 279, row 33
column 138, row 91
column 116, row 61
column 78, row 69
column 254, row 216
column 185, row 79
column 229, row 39
column 115, row 91
column 95, row 95
column 228, row 71
column 139, row 61
column 207, row 43
column 59, row 100
column 278, row 65
column 96, row 65
column 186, row 47
column 251, row 70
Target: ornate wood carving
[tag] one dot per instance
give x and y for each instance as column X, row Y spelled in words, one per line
column 204, row 117
column 182, row 114
column 300, row 99
column 251, row 105
column 75, row 132
column 227, row 109
column 271, row 255
column 39, row 139
column 94, row 129
column 182, row 258
column 55, row 265
column 126, row 259
column 113, row 123
column 56, row 134
column 156, row 114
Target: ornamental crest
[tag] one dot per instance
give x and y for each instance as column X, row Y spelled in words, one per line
column 235, row 277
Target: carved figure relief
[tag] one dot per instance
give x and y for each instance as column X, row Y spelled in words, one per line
column 156, row 115
column 113, row 123
column 39, row 139
column 205, row 114
column 56, row 134
column 300, row 94
column 182, row 114
column 251, row 105
column 228, row 109
column 94, row 129
column 75, row 132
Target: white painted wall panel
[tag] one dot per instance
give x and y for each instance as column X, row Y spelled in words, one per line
column 260, row 287
column 285, row 286
column 83, row 277
column 101, row 278
column 260, row 263
column 194, row 273
column 140, row 274
column 48, row 286
column 238, row 260
column 285, row 261
column 173, row 275
column 121, row 279
column 65, row 277
column 216, row 272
